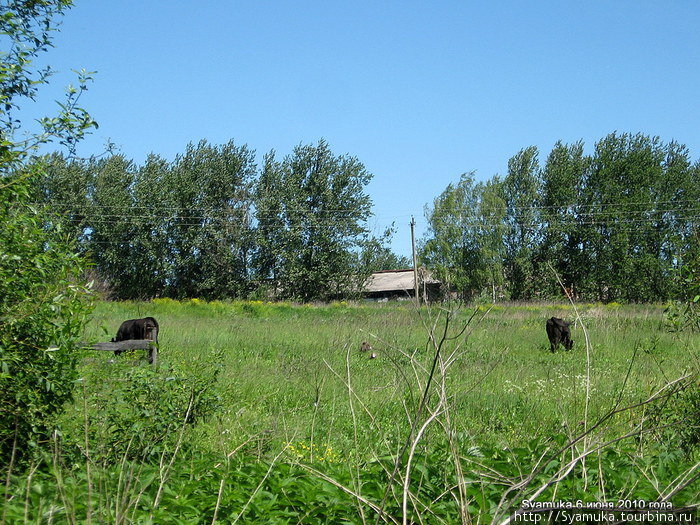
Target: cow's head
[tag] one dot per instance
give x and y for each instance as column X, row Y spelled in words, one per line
column 150, row 329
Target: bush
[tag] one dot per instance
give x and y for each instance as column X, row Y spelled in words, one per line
column 44, row 309
column 684, row 314
column 679, row 419
column 139, row 412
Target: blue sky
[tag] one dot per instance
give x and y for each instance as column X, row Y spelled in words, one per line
column 420, row 92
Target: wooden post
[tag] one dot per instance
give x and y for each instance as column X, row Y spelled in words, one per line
column 415, row 261
column 153, row 354
column 152, row 335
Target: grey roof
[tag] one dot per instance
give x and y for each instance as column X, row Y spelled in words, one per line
column 395, row 280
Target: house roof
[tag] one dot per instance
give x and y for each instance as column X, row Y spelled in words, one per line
column 395, row 280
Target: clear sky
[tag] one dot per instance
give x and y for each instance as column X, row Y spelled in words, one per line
column 420, row 92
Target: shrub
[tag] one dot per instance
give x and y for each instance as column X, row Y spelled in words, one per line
column 139, row 412
column 679, row 419
column 44, row 309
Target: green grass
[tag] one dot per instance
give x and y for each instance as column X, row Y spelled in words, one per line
column 280, row 365
column 280, row 432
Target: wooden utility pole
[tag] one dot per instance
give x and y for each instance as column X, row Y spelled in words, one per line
column 415, row 260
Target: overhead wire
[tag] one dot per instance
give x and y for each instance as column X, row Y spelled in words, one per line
column 472, row 222
column 343, row 213
column 522, row 208
column 622, row 221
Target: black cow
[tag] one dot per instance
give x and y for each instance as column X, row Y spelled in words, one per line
column 146, row 328
column 558, row 332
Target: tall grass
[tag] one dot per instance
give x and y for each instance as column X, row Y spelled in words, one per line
column 462, row 413
column 277, row 362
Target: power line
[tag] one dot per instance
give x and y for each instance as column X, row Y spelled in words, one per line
column 622, row 221
column 324, row 215
column 159, row 207
column 563, row 207
column 617, row 228
column 667, row 216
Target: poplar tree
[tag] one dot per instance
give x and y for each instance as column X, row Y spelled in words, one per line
column 522, row 194
column 311, row 212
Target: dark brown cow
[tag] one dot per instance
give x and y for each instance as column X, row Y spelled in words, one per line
column 146, row 328
column 558, row 332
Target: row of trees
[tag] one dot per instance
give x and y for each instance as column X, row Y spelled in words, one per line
column 617, row 224
column 211, row 224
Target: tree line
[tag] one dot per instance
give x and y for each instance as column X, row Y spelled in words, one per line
column 213, row 224
column 618, row 224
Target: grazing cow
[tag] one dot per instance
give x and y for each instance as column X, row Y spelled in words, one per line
column 146, row 328
column 558, row 332
column 365, row 346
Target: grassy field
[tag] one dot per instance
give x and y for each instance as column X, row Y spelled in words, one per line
column 284, row 367
column 291, row 417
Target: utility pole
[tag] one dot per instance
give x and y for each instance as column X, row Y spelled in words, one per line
column 415, row 260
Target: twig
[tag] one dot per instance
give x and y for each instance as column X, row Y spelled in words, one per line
column 354, row 429
column 257, row 489
column 164, row 473
column 380, row 512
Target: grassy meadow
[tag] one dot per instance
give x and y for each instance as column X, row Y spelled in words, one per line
column 284, row 368
column 263, row 412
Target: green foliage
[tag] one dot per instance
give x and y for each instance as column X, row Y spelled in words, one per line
column 179, row 229
column 616, row 225
column 141, row 412
column 207, row 226
column 276, row 359
column 679, row 419
column 628, row 227
column 44, row 305
column 561, row 235
column 44, row 310
column 684, row 313
column 464, row 244
column 522, row 189
column 453, row 251
column 264, row 491
column 376, row 255
column 210, row 233
column 284, row 440
column 311, row 208
column 27, row 27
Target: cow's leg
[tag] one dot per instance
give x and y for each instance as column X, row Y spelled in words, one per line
column 557, row 342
